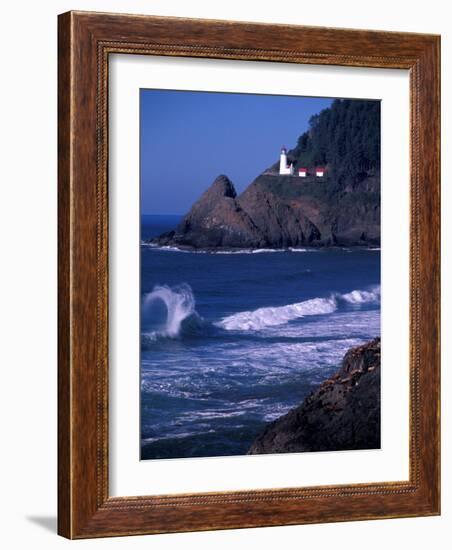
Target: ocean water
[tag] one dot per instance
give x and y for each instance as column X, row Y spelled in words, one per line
column 231, row 341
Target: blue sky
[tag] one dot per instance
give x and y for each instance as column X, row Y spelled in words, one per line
column 189, row 138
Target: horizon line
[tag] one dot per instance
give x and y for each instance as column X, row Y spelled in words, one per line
column 153, row 214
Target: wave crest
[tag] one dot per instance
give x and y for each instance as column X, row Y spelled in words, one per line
column 180, row 307
column 362, row 296
column 182, row 317
column 273, row 316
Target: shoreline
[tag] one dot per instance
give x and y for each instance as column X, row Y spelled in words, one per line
column 254, row 250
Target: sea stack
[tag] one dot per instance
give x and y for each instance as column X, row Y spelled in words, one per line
column 216, row 220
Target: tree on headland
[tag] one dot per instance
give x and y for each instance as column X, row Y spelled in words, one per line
column 345, row 137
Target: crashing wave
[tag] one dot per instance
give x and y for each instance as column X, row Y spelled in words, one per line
column 181, row 315
column 273, row 316
column 180, row 308
column 362, row 296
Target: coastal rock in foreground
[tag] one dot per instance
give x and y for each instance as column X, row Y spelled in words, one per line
column 342, row 414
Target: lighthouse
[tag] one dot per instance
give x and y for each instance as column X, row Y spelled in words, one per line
column 284, row 168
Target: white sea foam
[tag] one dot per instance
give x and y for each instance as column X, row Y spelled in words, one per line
column 168, row 248
column 273, row 316
column 180, row 304
column 248, row 251
column 362, row 296
column 270, row 316
column 180, row 435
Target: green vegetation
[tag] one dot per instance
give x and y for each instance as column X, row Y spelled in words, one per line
column 293, row 187
column 345, row 138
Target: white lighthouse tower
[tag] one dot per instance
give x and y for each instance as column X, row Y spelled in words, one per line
column 284, row 168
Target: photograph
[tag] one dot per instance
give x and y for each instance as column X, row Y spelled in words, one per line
column 224, row 235
column 260, row 274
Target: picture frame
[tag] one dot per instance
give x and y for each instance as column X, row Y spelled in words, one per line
column 85, row 508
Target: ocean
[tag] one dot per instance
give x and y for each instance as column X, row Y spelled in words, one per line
column 232, row 340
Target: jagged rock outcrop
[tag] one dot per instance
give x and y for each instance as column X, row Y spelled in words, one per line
column 216, row 220
column 283, row 222
column 279, row 212
column 342, row 414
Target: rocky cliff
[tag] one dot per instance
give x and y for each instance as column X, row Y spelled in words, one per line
column 279, row 212
column 342, row 208
column 342, row 414
column 216, row 220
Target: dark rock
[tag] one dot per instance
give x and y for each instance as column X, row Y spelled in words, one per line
column 279, row 212
column 216, row 220
column 282, row 221
column 342, row 414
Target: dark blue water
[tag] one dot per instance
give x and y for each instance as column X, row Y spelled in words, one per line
column 230, row 341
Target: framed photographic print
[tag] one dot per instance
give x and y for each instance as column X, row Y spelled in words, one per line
column 248, row 275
